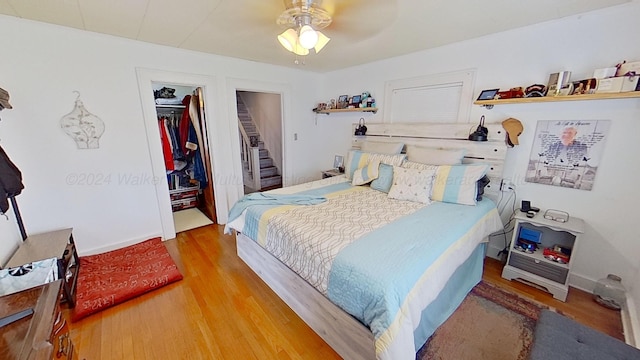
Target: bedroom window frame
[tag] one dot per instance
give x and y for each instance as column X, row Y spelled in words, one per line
column 464, row 79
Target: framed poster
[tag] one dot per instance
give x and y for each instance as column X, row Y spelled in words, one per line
column 567, row 153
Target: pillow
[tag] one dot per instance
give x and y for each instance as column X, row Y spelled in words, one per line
column 411, row 184
column 434, row 156
column 381, row 147
column 366, row 174
column 418, row 166
column 457, row 183
column 384, row 180
column 357, row 159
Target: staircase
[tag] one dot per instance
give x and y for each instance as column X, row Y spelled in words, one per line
column 254, row 155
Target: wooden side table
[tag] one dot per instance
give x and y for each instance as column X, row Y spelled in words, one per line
column 54, row 244
column 34, row 327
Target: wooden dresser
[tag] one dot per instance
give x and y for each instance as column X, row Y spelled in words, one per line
column 53, row 244
column 41, row 335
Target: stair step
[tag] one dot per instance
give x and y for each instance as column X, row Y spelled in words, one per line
column 264, row 153
column 271, row 181
column 268, row 171
column 264, row 163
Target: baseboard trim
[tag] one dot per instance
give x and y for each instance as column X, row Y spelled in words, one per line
column 110, row 247
column 581, row 282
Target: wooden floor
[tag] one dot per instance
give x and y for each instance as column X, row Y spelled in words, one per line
column 222, row 310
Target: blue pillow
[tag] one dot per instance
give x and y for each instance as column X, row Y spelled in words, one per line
column 385, row 178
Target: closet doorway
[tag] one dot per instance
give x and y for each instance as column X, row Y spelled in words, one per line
column 183, row 132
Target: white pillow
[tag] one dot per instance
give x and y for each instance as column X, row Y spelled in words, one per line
column 434, row 156
column 418, row 166
column 411, row 184
column 381, row 147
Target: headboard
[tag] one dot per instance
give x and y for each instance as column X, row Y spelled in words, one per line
column 445, row 136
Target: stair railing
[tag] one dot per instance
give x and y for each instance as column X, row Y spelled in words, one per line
column 251, row 155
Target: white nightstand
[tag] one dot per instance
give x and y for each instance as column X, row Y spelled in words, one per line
column 533, row 266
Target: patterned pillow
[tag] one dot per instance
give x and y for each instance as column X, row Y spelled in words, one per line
column 357, row 159
column 457, row 183
column 411, row 184
column 366, row 174
column 418, row 166
column 385, row 178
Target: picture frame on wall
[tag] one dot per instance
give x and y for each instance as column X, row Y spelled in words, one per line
column 343, row 101
column 488, row 94
column 338, row 161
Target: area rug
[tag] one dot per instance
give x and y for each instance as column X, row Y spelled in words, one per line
column 113, row 277
column 490, row 324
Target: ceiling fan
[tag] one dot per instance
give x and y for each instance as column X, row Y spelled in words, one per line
column 356, row 19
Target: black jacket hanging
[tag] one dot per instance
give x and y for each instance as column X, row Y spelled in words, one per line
column 10, row 180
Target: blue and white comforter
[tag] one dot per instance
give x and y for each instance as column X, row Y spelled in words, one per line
column 381, row 260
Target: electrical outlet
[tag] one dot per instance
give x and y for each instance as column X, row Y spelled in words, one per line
column 506, row 185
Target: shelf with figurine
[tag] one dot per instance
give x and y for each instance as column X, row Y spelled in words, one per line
column 619, row 82
column 345, row 103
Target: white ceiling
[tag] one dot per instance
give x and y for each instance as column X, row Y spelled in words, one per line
column 362, row 30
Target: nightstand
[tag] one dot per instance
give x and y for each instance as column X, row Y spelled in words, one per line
column 54, row 244
column 526, row 260
column 331, row 173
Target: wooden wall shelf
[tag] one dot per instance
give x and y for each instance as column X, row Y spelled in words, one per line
column 330, row 111
column 603, row 96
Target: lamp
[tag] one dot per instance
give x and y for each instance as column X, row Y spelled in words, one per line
column 303, row 19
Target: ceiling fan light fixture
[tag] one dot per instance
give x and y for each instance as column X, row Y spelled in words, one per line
column 303, row 20
column 299, row 50
column 288, row 39
column 322, row 41
column 308, row 37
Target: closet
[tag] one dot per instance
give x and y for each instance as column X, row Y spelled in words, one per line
column 183, row 135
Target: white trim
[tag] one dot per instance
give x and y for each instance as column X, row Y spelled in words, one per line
column 466, row 77
column 218, row 141
column 115, row 246
column 630, row 324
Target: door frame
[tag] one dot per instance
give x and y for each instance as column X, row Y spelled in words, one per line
column 282, row 89
column 219, row 143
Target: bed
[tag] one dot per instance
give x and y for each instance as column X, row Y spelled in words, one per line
column 374, row 276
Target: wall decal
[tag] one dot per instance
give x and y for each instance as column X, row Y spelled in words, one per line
column 567, row 153
column 82, row 126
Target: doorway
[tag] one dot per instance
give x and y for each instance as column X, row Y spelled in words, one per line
column 224, row 151
column 261, row 140
column 183, row 132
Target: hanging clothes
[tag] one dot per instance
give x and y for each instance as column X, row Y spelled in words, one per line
column 199, row 169
column 10, row 180
column 166, row 145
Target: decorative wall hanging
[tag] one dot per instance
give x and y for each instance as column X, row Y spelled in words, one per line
column 82, row 126
column 567, row 153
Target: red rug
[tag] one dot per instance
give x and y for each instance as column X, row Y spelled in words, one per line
column 113, row 277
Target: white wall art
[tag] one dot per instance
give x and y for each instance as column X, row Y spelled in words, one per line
column 82, row 126
column 567, row 153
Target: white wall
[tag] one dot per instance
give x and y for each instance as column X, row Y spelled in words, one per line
column 107, row 194
column 520, row 58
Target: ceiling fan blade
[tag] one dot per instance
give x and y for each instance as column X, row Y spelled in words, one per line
column 360, row 19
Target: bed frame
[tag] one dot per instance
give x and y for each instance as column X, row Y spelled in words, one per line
column 345, row 334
